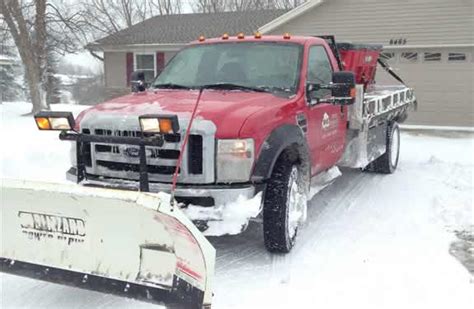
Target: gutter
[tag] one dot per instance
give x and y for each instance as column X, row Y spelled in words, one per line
column 135, row 47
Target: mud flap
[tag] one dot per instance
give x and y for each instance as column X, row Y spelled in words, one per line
column 129, row 237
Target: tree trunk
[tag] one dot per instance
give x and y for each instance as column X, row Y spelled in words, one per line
column 34, row 86
column 31, row 48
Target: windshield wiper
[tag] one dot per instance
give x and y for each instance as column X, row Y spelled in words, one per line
column 231, row 86
column 170, row 86
column 276, row 89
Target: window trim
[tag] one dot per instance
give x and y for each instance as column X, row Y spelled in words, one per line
column 135, row 54
column 394, row 59
column 405, row 60
column 466, row 57
column 441, row 57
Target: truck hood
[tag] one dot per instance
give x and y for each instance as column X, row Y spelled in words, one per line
column 228, row 110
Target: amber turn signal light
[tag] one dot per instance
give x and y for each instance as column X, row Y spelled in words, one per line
column 43, row 123
column 353, row 92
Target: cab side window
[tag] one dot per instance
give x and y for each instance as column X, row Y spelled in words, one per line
column 319, row 69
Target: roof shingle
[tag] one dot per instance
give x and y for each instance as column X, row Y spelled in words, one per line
column 183, row 28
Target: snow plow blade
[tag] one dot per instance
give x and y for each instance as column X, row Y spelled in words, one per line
column 78, row 235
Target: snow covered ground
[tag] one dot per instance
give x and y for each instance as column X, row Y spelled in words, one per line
column 370, row 241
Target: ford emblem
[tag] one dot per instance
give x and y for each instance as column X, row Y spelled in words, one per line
column 132, row 152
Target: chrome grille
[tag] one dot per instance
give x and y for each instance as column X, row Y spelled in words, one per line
column 122, row 161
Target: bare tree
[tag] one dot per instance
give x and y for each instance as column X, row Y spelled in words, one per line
column 40, row 28
column 105, row 17
column 213, row 6
column 31, row 44
column 210, row 6
column 288, row 4
column 166, row 7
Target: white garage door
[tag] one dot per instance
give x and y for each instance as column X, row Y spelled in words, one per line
column 443, row 83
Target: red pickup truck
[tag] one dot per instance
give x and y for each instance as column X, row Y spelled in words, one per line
column 237, row 127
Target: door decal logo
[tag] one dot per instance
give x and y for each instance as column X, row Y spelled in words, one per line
column 325, row 122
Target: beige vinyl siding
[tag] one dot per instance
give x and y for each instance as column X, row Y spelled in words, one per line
column 115, row 66
column 421, row 22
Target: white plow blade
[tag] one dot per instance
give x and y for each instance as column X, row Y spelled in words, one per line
column 120, row 235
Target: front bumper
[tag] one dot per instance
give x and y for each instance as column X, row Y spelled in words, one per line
column 199, row 195
column 216, row 210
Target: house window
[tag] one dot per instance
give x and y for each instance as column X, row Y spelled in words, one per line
column 454, row 57
column 387, row 56
column 147, row 64
column 432, row 57
column 410, row 57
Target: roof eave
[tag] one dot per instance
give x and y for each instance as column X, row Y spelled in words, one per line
column 134, row 47
column 290, row 15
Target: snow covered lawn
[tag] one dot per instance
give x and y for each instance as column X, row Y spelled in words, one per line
column 371, row 241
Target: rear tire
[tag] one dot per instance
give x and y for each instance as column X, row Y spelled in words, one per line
column 284, row 196
column 388, row 162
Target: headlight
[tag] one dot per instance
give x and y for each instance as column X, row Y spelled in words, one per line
column 234, row 159
column 54, row 121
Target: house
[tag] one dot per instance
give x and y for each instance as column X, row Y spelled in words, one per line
column 149, row 45
column 430, row 43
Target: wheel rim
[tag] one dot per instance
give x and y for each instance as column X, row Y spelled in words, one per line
column 394, row 147
column 294, row 203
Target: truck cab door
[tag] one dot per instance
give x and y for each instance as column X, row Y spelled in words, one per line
column 326, row 121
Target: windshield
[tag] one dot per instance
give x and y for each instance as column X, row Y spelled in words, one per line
column 262, row 65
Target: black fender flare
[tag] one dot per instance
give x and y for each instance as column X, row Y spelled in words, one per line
column 281, row 138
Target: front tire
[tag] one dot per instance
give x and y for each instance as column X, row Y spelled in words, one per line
column 284, row 205
column 388, row 162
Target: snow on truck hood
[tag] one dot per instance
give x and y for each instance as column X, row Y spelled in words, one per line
column 228, row 110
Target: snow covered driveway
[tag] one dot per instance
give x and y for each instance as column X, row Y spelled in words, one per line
column 371, row 241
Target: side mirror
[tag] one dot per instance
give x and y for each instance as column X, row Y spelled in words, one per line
column 342, row 89
column 137, row 81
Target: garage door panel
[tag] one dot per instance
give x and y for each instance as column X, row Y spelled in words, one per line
column 444, row 89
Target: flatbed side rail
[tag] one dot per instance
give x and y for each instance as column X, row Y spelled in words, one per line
column 383, row 103
column 368, row 119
